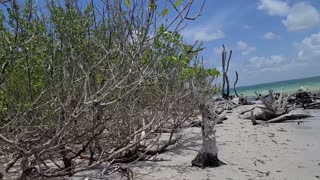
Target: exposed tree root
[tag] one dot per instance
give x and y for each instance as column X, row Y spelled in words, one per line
column 206, row 159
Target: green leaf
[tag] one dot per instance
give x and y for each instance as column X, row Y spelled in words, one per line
column 128, row 3
column 214, row 72
column 165, row 12
column 178, row 2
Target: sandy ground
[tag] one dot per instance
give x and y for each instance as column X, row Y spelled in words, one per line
column 275, row 151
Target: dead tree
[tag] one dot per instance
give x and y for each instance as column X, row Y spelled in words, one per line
column 235, row 83
column 208, row 154
column 225, row 68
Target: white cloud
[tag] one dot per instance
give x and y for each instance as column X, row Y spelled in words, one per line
column 245, row 48
column 309, row 48
column 270, row 36
column 204, row 34
column 302, row 16
column 209, row 35
column 274, row 7
column 267, row 63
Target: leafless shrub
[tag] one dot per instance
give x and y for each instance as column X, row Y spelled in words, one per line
column 106, row 85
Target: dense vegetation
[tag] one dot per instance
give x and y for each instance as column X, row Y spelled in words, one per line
column 94, row 80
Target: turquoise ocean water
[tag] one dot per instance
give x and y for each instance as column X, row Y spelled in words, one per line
column 289, row 86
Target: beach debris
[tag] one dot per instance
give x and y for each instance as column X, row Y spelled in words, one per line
column 282, row 118
column 275, row 110
column 315, row 105
column 244, row 100
column 257, row 111
column 220, row 105
column 301, row 98
column 208, row 154
column 304, row 99
column 263, row 173
column 299, row 122
column 289, row 116
column 275, row 105
column 258, row 161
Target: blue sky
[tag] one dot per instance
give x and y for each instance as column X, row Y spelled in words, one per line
column 272, row 40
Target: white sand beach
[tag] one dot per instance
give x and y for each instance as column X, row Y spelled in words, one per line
column 275, row 151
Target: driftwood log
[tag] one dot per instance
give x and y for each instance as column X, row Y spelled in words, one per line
column 279, row 119
column 315, row 105
column 208, row 154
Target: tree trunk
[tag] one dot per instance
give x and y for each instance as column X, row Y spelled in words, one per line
column 223, row 62
column 225, row 67
column 208, row 154
column 234, row 86
column 228, row 87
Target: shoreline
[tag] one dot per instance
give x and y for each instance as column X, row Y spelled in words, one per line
column 289, row 86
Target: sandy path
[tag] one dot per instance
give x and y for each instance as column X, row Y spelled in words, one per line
column 277, row 151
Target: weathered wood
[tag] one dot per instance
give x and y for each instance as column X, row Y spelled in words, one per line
column 225, row 68
column 286, row 117
column 3, row 173
column 234, row 85
column 315, row 105
column 282, row 118
column 208, row 154
column 275, row 106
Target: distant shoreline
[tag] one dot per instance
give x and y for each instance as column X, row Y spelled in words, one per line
column 311, row 84
column 266, row 83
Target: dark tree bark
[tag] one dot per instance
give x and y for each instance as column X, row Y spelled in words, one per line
column 225, row 69
column 234, row 86
column 208, row 154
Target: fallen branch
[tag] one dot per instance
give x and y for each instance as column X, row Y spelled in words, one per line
column 312, row 106
column 13, row 162
column 280, row 119
column 286, row 117
column 243, row 112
